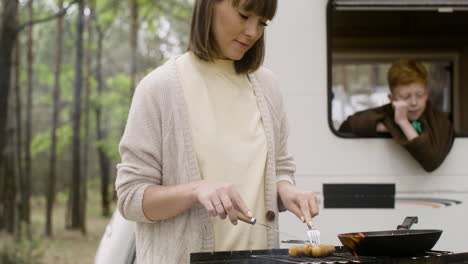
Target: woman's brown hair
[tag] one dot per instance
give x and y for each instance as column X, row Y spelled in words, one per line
column 203, row 44
column 404, row 71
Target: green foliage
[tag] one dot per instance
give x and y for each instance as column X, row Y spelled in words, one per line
column 112, row 17
column 149, row 10
column 62, row 197
column 107, row 11
column 110, row 146
column 114, row 103
column 22, row 251
column 181, row 10
column 44, row 75
column 64, row 135
column 106, row 18
column 45, row 78
column 67, row 78
column 42, row 141
column 119, row 86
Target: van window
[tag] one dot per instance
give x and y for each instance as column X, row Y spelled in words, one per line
column 360, row 84
column 365, row 37
column 405, row 5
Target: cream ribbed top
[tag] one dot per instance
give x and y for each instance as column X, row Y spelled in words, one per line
column 157, row 148
column 229, row 141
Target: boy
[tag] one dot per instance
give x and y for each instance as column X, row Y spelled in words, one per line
column 410, row 118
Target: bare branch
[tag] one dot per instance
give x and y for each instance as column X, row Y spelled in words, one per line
column 46, row 19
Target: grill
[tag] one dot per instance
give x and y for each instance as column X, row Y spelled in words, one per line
column 342, row 256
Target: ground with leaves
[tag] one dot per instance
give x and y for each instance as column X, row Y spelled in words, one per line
column 66, row 247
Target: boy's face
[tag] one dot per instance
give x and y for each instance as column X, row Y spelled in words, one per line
column 414, row 95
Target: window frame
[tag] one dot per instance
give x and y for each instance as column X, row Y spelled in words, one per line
column 452, row 55
column 440, row 5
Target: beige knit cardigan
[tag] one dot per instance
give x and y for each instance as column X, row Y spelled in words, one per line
column 157, row 148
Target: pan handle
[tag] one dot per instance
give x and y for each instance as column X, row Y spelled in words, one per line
column 408, row 222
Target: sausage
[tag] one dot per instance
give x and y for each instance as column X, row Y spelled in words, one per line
column 319, row 251
column 296, row 251
column 308, row 250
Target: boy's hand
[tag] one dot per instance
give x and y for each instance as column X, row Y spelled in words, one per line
column 381, row 128
column 401, row 118
column 401, row 111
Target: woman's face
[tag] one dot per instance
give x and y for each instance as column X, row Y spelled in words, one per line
column 235, row 29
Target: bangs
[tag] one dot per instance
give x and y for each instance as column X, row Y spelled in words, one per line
column 263, row 8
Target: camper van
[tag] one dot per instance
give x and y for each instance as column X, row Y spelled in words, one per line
column 331, row 59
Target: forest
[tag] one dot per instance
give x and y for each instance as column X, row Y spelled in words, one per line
column 68, row 69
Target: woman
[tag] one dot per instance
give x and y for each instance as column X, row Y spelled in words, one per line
column 206, row 140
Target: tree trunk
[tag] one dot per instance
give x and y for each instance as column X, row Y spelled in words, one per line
column 104, row 163
column 26, row 187
column 134, row 27
column 9, row 195
column 7, row 41
column 50, row 195
column 11, row 182
column 86, row 107
column 18, row 136
column 8, row 36
column 76, row 217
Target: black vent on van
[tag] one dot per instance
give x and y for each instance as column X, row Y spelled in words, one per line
column 359, row 195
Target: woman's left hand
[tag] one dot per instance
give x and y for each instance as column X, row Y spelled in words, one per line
column 304, row 204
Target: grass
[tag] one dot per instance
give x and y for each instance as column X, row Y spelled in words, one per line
column 68, row 246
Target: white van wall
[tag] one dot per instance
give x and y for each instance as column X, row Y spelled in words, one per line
column 297, row 53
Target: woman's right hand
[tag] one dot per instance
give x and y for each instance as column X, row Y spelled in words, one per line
column 221, row 199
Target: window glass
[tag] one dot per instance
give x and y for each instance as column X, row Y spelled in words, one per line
column 359, row 85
